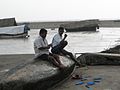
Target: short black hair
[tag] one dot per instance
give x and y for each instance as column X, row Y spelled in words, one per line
column 42, row 30
column 61, row 28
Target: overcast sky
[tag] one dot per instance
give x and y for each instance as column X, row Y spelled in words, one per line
column 59, row 10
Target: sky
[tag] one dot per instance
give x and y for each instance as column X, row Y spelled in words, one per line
column 59, row 10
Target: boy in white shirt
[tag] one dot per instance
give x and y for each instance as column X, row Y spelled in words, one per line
column 59, row 43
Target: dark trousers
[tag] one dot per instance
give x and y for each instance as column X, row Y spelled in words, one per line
column 59, row 49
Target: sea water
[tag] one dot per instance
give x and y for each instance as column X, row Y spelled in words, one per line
column 78, row 42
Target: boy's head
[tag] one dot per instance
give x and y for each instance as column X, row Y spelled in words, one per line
column 43, row 32
column 61, row 30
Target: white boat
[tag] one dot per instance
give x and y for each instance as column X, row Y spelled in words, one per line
column 10, row 29
column 13, row 32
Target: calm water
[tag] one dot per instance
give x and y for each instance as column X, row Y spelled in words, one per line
column 79, row 42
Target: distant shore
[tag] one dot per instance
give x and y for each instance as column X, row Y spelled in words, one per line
column 56, row 24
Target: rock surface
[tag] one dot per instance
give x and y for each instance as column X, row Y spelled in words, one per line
column 35, row 75
column 107, row 57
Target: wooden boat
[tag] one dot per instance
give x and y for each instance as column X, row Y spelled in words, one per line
column 10, row 29
column 86, row 25
column 36, row 75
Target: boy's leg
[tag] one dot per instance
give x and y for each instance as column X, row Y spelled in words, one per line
column 71, row 56
column 52, row 59
column 57, row 59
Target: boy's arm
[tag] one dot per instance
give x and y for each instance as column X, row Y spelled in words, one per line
column 42, row 48
column 64, row 37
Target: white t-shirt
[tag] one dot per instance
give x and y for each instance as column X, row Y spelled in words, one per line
column 56, row 40
column 40, row 43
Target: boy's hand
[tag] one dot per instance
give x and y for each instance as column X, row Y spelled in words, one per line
column 65, row 35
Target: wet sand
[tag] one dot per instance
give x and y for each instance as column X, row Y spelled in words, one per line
column 109, row 79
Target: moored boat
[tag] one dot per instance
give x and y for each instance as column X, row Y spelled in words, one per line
column 36, row 75
column 85, row 28
column 86, row 25
column 13, row 32
column 10, row 29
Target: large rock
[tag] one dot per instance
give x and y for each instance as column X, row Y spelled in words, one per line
column 110, row 56
column 97, row 59
column 35, row 75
